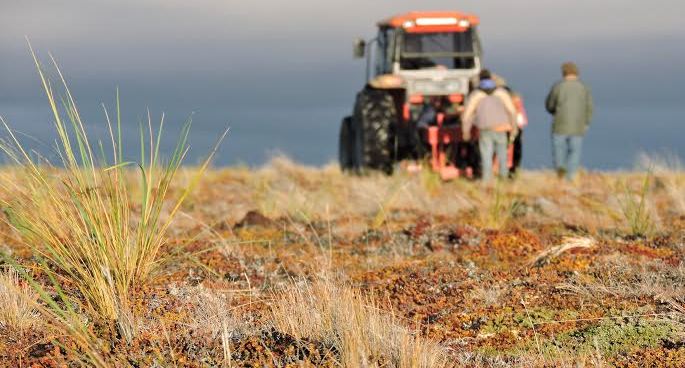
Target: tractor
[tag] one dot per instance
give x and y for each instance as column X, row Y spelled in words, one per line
column 420, row 68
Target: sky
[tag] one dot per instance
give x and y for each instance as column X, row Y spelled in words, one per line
column 280, row 74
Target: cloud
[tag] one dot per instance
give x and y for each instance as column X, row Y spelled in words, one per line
column 173, row 23
column 291, row 52
column 281, row 72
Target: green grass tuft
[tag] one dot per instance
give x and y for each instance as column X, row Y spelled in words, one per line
column 99, row 235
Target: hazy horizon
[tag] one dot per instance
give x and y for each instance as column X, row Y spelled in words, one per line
column 281, row 75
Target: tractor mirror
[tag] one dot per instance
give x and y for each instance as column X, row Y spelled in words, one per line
column 359, row 48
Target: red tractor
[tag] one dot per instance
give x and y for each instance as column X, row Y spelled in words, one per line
column 419, row 70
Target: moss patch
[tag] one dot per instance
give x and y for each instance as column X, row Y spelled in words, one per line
column 614, row 336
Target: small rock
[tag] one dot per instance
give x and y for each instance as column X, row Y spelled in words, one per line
column 40, row 350
column 254, row 218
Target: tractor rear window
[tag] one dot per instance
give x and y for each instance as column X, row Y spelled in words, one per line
column 453, row 50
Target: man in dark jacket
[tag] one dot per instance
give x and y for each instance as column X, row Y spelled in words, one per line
column 570, row 101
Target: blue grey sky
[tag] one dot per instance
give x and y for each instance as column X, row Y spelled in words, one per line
column 280, row 73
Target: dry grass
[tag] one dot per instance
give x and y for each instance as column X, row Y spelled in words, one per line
column 284, row 189
column 17, row 303
column 637, row 209
column 624, row 277
column 567, row 244
column 212, row 313
column 97, row 235
column 488, row 294
column 355, row 329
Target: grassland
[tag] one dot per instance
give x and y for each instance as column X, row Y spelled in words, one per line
column 287, row 265
column 111, row 262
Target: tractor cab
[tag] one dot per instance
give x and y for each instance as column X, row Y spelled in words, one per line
column 431, row 53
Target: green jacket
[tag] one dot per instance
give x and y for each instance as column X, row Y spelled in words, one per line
column 570, row 101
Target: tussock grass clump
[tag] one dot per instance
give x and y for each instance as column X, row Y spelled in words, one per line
column 99, row 234
column 636, row 210
column 668, row 175
column 17, row 303
column 360, row 334
column 500, row 207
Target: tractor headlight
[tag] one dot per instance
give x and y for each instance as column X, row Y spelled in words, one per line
column 453, row 86
column 430, row 87
column 423, row 86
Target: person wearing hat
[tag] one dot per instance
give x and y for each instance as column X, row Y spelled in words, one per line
column 570, row 102
column 490, row 109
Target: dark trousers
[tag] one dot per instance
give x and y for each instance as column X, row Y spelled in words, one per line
column 518, row 152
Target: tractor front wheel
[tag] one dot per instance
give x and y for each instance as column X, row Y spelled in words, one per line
column 374, row 120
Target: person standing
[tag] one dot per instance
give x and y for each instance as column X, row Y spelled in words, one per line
column 490, row 109
column 570, row 102
column 521, row 122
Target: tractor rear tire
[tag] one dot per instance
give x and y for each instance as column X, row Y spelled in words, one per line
column 374, row 120
column 346, row 146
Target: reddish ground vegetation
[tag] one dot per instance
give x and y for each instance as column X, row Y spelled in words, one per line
column 475, row 289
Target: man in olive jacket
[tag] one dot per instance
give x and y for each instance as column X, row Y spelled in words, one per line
column 570, row 101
